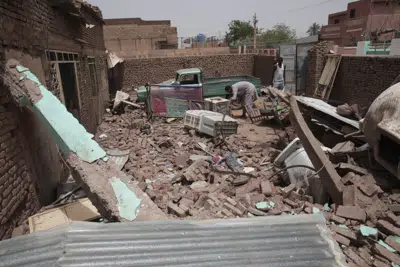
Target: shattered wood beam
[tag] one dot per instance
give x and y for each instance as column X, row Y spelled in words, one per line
column 328, row 175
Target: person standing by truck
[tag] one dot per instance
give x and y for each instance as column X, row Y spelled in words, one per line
column 279, row 75
column 244, row 93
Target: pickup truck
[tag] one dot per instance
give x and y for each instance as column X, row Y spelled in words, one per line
column 212, row 87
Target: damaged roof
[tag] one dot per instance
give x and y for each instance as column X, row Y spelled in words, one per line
column 301, row 240
column 75, row 6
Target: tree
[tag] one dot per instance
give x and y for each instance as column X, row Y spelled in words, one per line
column 280, row 33
column 239, row 31
column 314, row 29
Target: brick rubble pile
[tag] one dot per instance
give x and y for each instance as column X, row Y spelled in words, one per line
column 168, row 164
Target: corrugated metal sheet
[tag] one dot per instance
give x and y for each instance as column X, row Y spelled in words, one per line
column 301, row 240
column 324, row 107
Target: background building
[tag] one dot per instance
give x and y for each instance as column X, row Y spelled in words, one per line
column 376, row 20
column 126, row 36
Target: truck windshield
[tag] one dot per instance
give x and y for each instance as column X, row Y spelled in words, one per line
column 188, row 79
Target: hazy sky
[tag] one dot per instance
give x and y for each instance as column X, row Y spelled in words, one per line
column 212, row 17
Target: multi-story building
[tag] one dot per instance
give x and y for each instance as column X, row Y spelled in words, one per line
column 127, row 36
column 363, row 20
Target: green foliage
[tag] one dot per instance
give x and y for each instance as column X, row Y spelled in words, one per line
column 239, row 31
column 280, row 33
column 314, row 29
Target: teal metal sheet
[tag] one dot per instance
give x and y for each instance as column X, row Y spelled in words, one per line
column 65, row 129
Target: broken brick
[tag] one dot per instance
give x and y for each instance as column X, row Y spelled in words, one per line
column 351, row 212
column 390, row 217
column 209, row 204
column 388, row 228
column 392, row 243
column 387, row 254
column 291, row 203
column 344, row 232
column 185, row 209
column 378, row 263
column 200, row 202
column 308, row 210
column 395, row 208
column 341, row 239
column 338, row 219
column 349, row 195
column 143, row 186
column 215, row 200
column 288, row 190
column 257, row 212
column 241, row 207
column 267, row 188
column 365, row 255
column 233, row 209
column 231, row 201
column 368, row 189
column 348, row 177
column 355, row 258
column 308, row 198
column 252, row 185
column 174, row 209
column 186, row 202
column 227, row 213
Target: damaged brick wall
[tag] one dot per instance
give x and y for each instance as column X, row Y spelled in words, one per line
column 155, row 70
column 316, row 63
column 362, row 79
column 35, row 26
column 18, row 195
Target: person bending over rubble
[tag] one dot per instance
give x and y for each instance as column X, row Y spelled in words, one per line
column 244, row 93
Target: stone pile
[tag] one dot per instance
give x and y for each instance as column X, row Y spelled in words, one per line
column 170, row 164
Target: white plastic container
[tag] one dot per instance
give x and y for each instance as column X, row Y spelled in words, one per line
column 210, row 123
column 217, row 104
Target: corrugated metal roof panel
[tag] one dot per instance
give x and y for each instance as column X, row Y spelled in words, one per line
column 301, row 240
column 324, row 107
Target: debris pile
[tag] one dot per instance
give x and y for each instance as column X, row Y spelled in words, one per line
column 194, row 176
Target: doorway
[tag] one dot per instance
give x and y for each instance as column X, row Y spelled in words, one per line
column 70, row 90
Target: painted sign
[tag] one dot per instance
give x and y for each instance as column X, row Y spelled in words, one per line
column 173, row 100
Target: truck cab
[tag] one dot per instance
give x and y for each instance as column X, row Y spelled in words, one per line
column 193, row 76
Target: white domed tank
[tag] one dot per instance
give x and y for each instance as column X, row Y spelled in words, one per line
column 381, row 127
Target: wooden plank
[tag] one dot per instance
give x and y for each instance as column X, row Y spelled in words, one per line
column 81, row 210
column 328, row 93
column 328, row 76
column 329, row 177
column 47, row 219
